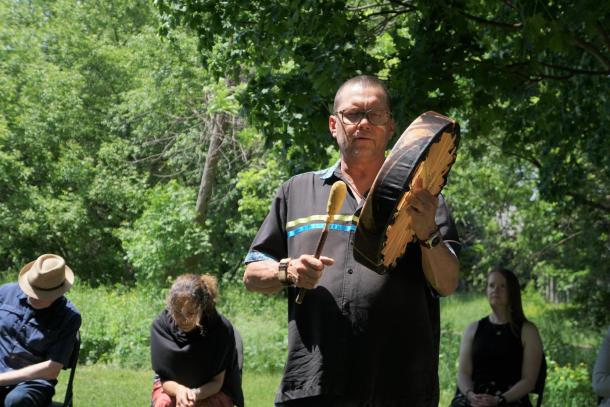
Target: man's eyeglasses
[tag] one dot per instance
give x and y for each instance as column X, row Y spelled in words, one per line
column 354, row 117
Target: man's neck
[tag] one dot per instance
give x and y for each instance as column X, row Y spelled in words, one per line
column 361, row 173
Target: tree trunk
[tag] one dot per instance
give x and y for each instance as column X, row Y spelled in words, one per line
column 219, row 123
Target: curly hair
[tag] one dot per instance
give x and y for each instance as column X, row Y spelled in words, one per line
column 193, row 292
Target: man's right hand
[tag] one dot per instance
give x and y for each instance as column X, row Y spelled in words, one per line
column 306, row 270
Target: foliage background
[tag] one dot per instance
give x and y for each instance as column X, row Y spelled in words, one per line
column 106, row 126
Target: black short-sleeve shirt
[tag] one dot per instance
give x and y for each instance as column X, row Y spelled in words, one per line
column 357, row 333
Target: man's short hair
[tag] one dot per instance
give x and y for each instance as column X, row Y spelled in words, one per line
column 366, row 81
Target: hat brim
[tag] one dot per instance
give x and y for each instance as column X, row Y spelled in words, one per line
column 44, row 294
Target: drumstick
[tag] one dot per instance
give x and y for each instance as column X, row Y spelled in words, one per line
column 335, row 201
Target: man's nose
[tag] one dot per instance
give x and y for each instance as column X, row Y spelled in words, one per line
column 364, row 121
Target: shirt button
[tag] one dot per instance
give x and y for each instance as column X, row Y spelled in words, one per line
column 350, row 271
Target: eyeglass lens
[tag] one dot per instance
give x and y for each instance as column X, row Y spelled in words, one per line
column 375, row 117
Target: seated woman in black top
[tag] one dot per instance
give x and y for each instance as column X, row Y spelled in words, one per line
column 193, row 349
column 501, row 354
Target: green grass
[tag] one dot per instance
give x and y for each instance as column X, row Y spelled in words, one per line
column 104, row 385
column 100, row 385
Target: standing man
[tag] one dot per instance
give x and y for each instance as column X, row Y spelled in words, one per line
column 38, row 327
column 358, row 338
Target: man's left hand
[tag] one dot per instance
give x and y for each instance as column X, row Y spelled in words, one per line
column 422, row 208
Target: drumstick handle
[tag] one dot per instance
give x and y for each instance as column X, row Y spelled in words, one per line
column 303, row 291
column 335, row 201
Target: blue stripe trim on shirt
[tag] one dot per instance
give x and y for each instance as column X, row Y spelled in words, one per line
column 333, row 226
column 254, row 255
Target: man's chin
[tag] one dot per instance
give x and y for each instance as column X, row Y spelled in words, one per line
column 365, row 154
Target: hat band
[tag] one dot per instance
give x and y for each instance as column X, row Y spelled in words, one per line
column 48, row 289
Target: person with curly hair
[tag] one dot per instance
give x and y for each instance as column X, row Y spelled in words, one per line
column 193, row 349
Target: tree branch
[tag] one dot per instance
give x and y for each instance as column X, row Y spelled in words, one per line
column 493, row 23
column 605, row 36
column 575, row 70
column 520, row 69
column 593, row 51
column 540, row 252
column 389, row 13
column 510, row 4
column 530, row 160
column 587, row 202
column 367, row 6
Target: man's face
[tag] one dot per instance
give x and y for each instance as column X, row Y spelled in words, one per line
column 40, row 304
column 364, row 140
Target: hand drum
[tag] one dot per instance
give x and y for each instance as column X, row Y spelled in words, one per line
column 427, row 149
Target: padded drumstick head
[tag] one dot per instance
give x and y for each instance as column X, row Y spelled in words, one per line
column 336, row 198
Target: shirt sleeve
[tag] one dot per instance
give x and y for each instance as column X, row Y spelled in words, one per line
column 447, row 226
column 60, row 350
column 601, row 371
column 270, row 241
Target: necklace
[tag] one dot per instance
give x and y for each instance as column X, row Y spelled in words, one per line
column 496, row 325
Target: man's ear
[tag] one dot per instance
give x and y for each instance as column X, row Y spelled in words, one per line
column 391, row 128
column 332, row 125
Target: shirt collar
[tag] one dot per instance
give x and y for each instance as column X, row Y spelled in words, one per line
column 22, row 297
column 327, row 173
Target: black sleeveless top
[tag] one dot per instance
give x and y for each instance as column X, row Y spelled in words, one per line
column 497, row 355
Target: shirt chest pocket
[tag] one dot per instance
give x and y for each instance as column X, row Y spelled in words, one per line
column 32, row 347
column 27, row 341
column 11, row 318
column 38, row 338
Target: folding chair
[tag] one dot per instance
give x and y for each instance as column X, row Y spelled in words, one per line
column 68, row 398
column 540, row 381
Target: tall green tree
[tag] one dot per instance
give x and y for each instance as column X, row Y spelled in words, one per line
column 106, row 131
column 528, row 81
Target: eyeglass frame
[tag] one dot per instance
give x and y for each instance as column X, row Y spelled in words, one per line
column 365, row 113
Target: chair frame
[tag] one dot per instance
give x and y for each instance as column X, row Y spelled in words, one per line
column 73, row 362
column 540, row 381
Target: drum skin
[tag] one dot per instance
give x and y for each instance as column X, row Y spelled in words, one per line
column 427, row 149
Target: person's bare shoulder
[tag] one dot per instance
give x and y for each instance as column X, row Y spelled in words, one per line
column 471, row 329
column 529, row 332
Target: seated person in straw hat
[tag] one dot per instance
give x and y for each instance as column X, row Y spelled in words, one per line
column 38, row 328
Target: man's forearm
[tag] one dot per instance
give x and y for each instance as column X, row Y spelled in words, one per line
column 262, row 277
column 48, row 370
column 441, row 268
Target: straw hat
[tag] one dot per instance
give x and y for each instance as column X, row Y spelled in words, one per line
column 46, row 278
